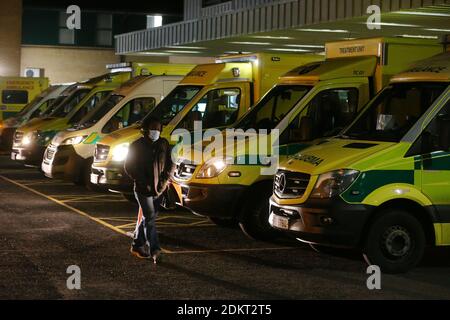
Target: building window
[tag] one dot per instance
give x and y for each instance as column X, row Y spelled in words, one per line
column 104, row 30
column 66, row 36
column 154, row 21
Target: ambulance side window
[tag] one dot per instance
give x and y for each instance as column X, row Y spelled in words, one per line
column 132, row 112
column 14, row 96
column 89, row 106
column 42, row 108
column 437, row 135
column 326, row 115
column 217, row 108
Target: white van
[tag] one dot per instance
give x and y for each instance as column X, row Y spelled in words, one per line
column 69, row 156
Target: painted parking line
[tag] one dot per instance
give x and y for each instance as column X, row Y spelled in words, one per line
column 102, row 221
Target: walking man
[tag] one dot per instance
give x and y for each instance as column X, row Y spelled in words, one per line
column 149, row 165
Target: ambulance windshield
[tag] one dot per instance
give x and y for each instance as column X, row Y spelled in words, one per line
column 174, row 103
column 393, row 113
column 275, row 105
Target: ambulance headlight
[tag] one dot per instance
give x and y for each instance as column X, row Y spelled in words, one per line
column 120, row 152
column 29, row 138
column 334, row 183
column 74, row 140
column 213, row 167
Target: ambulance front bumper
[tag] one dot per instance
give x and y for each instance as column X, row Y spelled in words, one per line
column 113, row 178
column 219, row 201
column 62, row 162
column 31, row 155
column 331, row 222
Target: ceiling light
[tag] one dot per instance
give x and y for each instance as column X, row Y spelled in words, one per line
column 237, row 52
column 186, row 47
column 272, row 37
column 419, row 13
column 182, row 51
column 438, row 30
column 252, row 43
column 289, row 50
column 153, row 53
column 324, row 30
column 390, row 24
column 413, row 36
column 304, row 46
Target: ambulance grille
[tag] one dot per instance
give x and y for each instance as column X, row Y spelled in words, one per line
column 49, row 153
column 184, row 170
column 289, row 184
column 101, row 152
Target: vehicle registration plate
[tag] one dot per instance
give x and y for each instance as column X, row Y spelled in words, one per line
column 281, row 222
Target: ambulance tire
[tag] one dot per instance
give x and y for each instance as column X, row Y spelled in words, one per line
column 395, row 242
column 224, row 223
column 254, row 220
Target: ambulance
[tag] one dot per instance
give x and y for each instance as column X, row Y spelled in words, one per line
column 17, row 92
column 383, row 185
column 216, row 95
column 310, row 102
column 70, row 154
column 31, row 139
column 52, row 95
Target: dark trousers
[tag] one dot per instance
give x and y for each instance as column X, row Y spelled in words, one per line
column 146, row 227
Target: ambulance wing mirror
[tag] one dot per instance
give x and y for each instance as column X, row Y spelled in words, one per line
column 444, row 132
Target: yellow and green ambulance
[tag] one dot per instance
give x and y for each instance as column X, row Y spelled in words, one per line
column 31, row 139
column 17, row 92
column 310, row 102
column 215, row 94
column 383, row 184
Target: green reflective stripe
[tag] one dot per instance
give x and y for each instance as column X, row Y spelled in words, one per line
column 436, row 161
column 369, row 181
column 92, row 139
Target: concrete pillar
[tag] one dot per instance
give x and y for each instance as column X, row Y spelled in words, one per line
column 10, row 37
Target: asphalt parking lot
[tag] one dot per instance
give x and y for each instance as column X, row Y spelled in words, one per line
column 47, row 225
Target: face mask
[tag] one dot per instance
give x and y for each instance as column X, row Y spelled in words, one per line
column 154, row 135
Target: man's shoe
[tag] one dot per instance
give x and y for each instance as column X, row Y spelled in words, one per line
column 140, row 252
column 156, row 256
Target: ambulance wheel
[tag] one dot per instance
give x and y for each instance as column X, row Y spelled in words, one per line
column 130, row 197
column 254, row 221
column 395, row 242
column 224, row 223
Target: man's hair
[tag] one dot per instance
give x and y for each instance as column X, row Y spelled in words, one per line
column 149, row 121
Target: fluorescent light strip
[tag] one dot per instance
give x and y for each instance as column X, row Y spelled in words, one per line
column 237, row 52
column 438, row 30
column 412, row 36
column 153, row 53
column 252, row 43
column 186, row 47
column 182, row 51
column 418, row 13
column 304, row 46
column 391, row 24
column 324, row 30
column 272, row 37
column 289, row 50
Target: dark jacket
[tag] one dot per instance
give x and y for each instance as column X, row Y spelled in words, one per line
column 150, row 165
